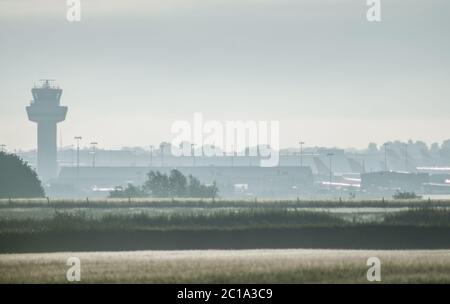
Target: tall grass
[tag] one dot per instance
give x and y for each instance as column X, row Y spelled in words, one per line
column 421, row 216
column 224, row 219
column 228, row 266
column 219, row 203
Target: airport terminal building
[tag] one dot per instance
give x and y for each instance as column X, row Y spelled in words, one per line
column 239, row 181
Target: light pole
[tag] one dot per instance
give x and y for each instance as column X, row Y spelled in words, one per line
column 78, row 138
column 301, row 153
column 3, row 147
column 406, row 156
column 161, row 148
column 362, row 164
column 232, row 156
column 71, row 155
column 385, row 157
column 193, row 154
column 330, row 155
column 151, row 156
column 93, row 144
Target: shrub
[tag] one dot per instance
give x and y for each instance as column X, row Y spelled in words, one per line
column 17, row 179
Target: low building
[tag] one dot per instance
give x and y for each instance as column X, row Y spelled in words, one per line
column 389, row 181
column 279, row 181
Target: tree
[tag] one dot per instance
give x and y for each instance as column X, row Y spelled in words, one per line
column 446, row 144
column 177, row 184
column 157, row 184
column 196, row 189
column 434, row 149
column 161, row 185
column 18, row 179
column 372, row 148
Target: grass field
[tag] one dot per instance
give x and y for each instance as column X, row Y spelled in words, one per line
column 220, row 203
column 208, row 241
column 34, row 219
column 218, row 228
column 229, row 266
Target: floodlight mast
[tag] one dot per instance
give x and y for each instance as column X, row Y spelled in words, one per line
column 93, row 144
column 301, row 143
column 330, row 155
column 78, row 138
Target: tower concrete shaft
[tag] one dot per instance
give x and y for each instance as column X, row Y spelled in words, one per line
column 45, row 110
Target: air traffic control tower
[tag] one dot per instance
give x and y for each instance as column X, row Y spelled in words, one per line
column 46, row 111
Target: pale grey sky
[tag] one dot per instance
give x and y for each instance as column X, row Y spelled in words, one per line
column 130, row 68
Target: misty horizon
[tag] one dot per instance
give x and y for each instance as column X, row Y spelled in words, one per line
column 330, row 77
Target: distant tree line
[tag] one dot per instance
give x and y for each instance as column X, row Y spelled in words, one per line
column 418, row 148
column 18, row 179
column 162, row 185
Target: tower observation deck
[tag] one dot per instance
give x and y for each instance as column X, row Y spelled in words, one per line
column 46, row 111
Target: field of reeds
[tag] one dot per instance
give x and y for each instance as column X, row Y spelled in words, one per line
column 221, row 203
column 49, row 228
column 229, row 266
column 77, row 219
column 224, row 241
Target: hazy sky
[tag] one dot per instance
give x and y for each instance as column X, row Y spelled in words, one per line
column 131, row 68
